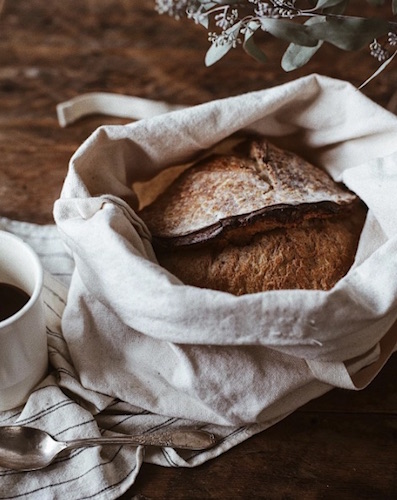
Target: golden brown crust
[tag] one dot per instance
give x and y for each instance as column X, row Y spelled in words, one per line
column 314, row 255
column 265, row 221
column 233, row 197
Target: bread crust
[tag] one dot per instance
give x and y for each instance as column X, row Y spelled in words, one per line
column 231, row 198
column 314, row 255
column 264, row 220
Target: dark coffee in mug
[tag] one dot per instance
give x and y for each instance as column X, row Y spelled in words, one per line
column 12, row 299
column 23, row 335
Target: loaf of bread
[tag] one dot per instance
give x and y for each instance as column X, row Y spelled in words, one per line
column 260, row 219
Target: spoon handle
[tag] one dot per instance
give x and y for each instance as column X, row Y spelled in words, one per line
column 182, row 439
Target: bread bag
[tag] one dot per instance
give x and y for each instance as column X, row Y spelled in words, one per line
column 137, row 333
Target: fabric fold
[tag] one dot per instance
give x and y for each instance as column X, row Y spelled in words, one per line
column 133, row 350
column 153, row 313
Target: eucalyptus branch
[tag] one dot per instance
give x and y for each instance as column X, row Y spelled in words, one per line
column 237, row 22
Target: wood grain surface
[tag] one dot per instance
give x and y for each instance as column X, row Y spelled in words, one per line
column 343, row 445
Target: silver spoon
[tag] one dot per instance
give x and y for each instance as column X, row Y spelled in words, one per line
column 27, row 448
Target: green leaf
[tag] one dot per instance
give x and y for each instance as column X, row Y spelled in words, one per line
column 321, row 4
column 204, row 21
column 251, row 48
column 337, row 9
column 289, row 31
column 394, row 6
column 217, row 51
column 379, row 70
column 297, row 56
column 349, row 33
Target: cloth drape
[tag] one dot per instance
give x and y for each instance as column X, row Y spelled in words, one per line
column 132, row 349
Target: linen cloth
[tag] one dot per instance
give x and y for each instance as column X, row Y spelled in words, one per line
column 134, row 350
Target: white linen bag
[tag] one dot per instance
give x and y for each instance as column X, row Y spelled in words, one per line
column 135, row 332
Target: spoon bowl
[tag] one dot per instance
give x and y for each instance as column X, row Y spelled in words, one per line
column 28, row 448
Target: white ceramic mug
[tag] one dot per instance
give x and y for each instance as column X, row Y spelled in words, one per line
column 23, row 339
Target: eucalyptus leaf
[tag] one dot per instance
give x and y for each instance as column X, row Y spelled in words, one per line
column 218, row 50
column 209, row 5
column 349, row 33
column 204, row 21
column 289, row 31
column 321, row 4
column 337, row 9
column 252, row 49
column 297, row 56
column 379, row 70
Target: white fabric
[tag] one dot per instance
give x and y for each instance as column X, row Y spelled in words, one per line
column 139, row 351
column 61, row 406
column 123, row 106
column 195, row 353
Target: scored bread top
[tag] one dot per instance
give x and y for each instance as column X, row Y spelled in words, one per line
column 233, row 197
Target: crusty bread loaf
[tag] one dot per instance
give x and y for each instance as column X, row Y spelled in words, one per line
column 263, row 219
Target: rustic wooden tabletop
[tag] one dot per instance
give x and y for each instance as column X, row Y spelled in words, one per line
column 343, row 444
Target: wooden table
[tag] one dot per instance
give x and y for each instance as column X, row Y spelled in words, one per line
column 342, row 445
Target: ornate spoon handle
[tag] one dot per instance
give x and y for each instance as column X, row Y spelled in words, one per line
column 182, row 439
